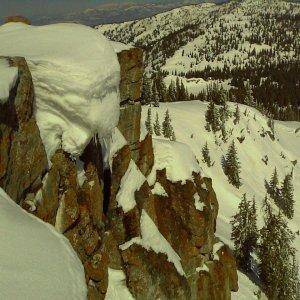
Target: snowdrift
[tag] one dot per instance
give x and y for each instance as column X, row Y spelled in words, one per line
column 35, row 260
column 76, row 78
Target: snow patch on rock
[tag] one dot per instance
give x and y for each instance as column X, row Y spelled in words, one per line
column 177, row 158
column 198, row 204
column 117, row 288
column 152, row 239
column 130, row 183
column 204, row 268
column 216, row 248
column 159, row 190
column 8, row 79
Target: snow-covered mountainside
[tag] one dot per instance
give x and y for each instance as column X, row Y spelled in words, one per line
column 239, row 41
column 75, row 81
column 188, row 120
column 35, row 260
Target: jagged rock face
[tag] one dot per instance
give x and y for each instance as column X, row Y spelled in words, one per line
column 23, row 159
column 131, row 62
column 77, row 210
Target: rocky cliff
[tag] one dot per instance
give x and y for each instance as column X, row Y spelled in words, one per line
column 163, row 246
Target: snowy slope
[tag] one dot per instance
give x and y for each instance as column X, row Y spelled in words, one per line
column 154, row 28
column 76, row 77
column 36, row 262
column 188, row 119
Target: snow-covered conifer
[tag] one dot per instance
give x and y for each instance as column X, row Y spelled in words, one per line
column 167, row 128
column 232, row 166
column 287, row 196
column 206, row 155
column 156, row 127
column 148, row 122
column 236, row 115
column 276, row 253
column 244, row 232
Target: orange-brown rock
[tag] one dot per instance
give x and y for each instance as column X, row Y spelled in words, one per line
column 151, row 276
column 131, row 63
column 145, row 160
column 17, row 19
column 23, row 158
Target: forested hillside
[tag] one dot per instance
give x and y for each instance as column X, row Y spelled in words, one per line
column 248, row 49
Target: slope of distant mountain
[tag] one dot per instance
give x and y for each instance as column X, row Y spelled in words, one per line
column 115, row 12
column 239, row 41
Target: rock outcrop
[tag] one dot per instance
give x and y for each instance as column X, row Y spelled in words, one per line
column 77, row 198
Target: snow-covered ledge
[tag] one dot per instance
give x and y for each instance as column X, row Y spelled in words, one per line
column 76, row 77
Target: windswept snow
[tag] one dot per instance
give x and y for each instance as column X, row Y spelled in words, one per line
column 35, row 260
column 76, row 78
column 8, row 78
column 152, row 239
column 177, row 158
column 130, row 183
column 117, row 288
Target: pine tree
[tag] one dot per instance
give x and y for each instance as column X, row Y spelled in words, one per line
column 244, row 232
column 276, row 253
column 272, row 187
column 287, row 196
column 293, row 287
column 206, row 155
column 173, row 137
column 148, row 122
column 232, row 166
column 167, row 129
column 146, row 91
column 212, row 118
column 249, row 99
column 156, row 127
column 224, row 132
column 236, row 115
column 172, row 91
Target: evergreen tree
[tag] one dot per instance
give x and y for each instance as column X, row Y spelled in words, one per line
column 224, row 132
column 167, row 128
column 172, row 91
column 156, row 127
column 212, row 118
column 148, row 122
column 272, row 127
column 236, row 115
column 146, row 91
column 249, row 99
column 272, row 187
column 293, row 287
column 206, row 155
column 244, row 232
column 287, row 196
column 276, row 253
column 173, row 137
column 232, row 166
